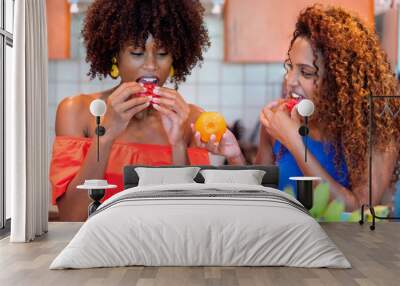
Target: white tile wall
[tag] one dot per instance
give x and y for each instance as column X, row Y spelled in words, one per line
column 52, row 116
column 83, row 70
column 52, row 91
column 65, row 89
column 273, row 91
column 67, row 71
column 275, row 73
column 238, row 91
column 255, row 95
column 209, row 94
column 232, row 73
column 255, row 73
column 214, row 26
column 75, row 46
column 231, row 114
column 192, row 77
column 215, row 51
column 250, row 118
column 188, row 91
column 210, row 72
column 232, row 95
column 52, row 70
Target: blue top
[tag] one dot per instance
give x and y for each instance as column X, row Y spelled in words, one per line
column 397, row 200
column 323, row 152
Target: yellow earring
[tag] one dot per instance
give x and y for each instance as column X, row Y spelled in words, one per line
column 114, row 72
column 171, row 72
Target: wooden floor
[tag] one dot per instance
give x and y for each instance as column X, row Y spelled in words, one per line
column 374, row 255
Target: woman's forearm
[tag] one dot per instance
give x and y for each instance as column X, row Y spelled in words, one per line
column 313, row 168
column 264, row 153
column 179, row 154
column 73, row 204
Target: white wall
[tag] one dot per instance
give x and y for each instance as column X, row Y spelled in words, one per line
column 9, row 72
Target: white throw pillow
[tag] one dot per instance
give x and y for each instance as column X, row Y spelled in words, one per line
column 166, row 176
column 249, row 177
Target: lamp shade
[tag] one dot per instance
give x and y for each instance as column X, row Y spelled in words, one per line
column 305, row 107
column 98, row 107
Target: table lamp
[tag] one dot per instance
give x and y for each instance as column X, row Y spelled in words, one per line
column 305, row 108
column 98, row 108
column 304, row 184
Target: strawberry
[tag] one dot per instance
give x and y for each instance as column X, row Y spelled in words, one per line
column 150, row 87
column 291, row 103
column 149, row 83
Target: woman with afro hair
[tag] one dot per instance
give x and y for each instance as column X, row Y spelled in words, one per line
column 138, row 43
column 334, row 59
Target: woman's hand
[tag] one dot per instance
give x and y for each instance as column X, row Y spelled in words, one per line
column 228, row 146
column 174, row 113
column 281, row 124
column 122, row 105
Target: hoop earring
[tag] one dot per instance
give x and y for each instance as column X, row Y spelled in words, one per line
column 114, row 72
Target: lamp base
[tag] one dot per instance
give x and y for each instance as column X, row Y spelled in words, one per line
column 305, row 193
column 304, row 186
column 96, row 195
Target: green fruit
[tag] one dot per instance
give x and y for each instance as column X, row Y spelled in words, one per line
column 320, row 200
column 381, row 211
column 355, row 216
column 334, row 210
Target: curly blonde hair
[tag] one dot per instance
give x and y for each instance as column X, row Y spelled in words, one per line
column 355, row 67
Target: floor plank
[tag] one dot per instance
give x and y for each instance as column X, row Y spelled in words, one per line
column 374, row 255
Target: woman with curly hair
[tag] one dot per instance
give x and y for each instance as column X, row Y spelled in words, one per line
column 141, row 43
column 335, row 60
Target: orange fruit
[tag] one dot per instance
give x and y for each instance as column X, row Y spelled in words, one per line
column 209, row 123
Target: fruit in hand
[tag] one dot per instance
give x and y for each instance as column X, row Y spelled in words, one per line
column 149, row 83
column 149, row 87
column 291, row 103
column 209, row 123
column 288, row 103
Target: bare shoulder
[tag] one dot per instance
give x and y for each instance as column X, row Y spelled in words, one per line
column 73, row 115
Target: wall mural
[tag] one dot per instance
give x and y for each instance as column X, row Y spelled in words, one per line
column 142, row 70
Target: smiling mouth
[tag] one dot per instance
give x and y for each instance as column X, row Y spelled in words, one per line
column 296, row 96
column 148, row 79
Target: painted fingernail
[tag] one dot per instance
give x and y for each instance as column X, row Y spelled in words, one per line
column 155, row 99
column 156, row 106
column 212, row 137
